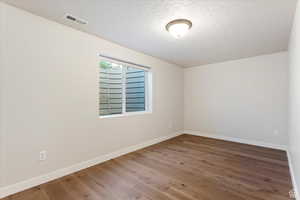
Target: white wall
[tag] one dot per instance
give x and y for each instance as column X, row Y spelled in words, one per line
column 1, row 90
column 50, row 98
column 244, row 99
column 294, row 103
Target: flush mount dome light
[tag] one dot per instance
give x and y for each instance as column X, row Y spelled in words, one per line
column 179, row 27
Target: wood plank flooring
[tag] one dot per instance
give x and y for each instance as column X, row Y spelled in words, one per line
column 183, row 168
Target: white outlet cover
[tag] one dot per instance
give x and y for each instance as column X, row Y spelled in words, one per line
column 43, row 155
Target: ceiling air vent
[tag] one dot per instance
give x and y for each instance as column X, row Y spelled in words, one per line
column 75, row 19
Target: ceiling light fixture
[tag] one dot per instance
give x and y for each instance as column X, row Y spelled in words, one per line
column 179, row 27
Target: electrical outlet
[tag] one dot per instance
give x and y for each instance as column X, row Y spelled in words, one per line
column 276, row 132
column 43, row 155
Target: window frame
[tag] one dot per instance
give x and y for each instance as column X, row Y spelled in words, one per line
column 148, row 90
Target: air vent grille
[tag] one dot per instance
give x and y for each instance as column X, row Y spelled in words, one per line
column 75, row 19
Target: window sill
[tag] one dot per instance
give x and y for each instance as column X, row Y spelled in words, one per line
column 126, row 114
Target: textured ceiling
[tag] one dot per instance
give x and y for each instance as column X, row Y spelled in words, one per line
column 222, row 29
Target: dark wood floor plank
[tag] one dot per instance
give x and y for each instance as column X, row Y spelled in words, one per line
column 214, row 162
column 101, row 191
column 214, row 171
column 235, row 146
column 183, row 168
column 204, row 184
column 213, row 168
column 78, row 190
column 166, row 184
column 148, row 188
column 122, row 189
column 31, row 194
column 55, row 190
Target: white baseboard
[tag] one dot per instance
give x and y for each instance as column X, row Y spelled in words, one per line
column 295, row 185
column 239, row 140
column 21, row 186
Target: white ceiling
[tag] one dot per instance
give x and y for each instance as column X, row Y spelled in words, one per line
column 222, row 29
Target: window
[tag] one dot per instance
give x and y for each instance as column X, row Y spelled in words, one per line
column 124, row 89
